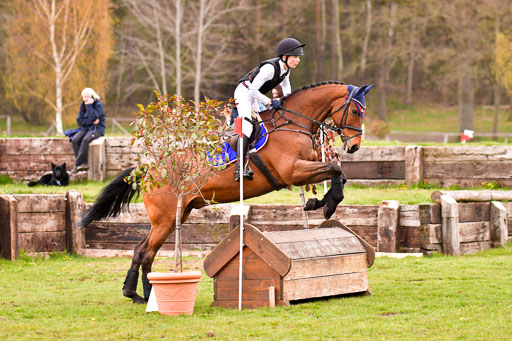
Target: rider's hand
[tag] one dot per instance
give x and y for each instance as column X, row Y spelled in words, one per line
column 276, row 104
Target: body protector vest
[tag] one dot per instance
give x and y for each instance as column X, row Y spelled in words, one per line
column 268, row 85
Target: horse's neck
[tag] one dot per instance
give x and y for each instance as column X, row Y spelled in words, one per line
column 316, row 107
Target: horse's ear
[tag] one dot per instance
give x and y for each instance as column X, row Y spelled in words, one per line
column 364, row 89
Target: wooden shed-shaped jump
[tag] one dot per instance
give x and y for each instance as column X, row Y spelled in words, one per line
column 285, row 266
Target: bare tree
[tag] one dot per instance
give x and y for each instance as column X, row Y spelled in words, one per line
column 385, row 63
column 150, row 46
column 68, row 34
column 209, row 17
column 364, row 54
column 338, row 50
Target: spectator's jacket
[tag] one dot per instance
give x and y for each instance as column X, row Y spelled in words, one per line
column 88, row 113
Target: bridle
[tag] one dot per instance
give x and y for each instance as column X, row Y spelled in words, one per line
column 343, row 120
column 322, row 125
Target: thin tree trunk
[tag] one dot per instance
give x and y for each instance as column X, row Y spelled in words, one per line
column 319, row 41
column 465, row 99
column 381, row 94
column 383, row 74
column 120, row 79
column 256, row 55
column 510, row 109
column 339, row 51
column 497, row 100
column 58, row 71
column 284, row 17
column 199, row 49
column 178, row 47
column 177, row 240
column 161, row 52
column 366, row 41
column 411, row 64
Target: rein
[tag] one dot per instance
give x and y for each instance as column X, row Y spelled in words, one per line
column 341, row 126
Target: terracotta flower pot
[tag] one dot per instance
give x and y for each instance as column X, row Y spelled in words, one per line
column 175, row 292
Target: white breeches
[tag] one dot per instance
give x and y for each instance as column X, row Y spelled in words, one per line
column 244, row 105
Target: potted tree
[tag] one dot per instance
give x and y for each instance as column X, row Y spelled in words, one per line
column 178, row 139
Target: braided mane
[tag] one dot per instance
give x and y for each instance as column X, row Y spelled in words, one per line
column 306, row 87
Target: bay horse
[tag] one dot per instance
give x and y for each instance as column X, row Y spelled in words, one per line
column 289, row 156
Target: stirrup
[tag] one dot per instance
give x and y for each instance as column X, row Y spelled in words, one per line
column 248, row 172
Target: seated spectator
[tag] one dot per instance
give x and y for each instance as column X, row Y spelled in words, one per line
column 277, row 92
column 91, row 119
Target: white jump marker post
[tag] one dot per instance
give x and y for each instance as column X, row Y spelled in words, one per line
column 322, row 139
column 238, row 130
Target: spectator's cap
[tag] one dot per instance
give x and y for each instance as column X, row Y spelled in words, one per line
column 90, row 92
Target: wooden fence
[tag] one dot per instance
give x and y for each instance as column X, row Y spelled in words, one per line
column 47, row 223
column 464, row 166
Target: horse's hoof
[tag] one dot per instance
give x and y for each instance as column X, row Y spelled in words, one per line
column 329, row 211
column 138, row 300
column 134, row 296
column 312, row 204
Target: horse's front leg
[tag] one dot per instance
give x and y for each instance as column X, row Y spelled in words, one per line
column 334, row 196
column 315, row 172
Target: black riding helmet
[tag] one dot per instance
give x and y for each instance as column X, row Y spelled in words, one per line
column 289, row 47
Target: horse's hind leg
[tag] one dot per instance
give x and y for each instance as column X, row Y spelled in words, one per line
column 132, row 277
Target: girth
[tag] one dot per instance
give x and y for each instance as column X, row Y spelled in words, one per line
column 262, row 166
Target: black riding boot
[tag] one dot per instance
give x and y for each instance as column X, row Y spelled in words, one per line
column 248, row 173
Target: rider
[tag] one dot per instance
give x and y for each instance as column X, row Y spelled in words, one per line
column 263, row 78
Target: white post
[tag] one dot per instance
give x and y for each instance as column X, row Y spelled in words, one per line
column 323, row 157
column 241, row 142
column 304, row 214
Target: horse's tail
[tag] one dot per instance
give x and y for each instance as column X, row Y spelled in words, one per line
column 114, row 198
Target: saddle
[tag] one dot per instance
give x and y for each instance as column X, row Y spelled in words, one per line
column 233, row 142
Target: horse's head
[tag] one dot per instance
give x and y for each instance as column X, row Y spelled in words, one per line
column 349, row 116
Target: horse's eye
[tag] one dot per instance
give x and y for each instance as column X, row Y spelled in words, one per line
column 355, row 112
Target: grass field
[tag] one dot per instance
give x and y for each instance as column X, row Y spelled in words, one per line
column 439, row 298
column 424, row 117
column 353, row 194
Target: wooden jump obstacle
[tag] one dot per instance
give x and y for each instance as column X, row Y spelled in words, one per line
column 285, row 266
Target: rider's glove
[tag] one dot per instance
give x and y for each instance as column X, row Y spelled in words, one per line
column 276, row 104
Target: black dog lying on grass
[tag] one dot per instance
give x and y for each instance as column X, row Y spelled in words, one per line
column 59, row 177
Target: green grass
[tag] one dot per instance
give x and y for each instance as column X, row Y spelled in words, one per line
column 438, row 298
column 89, row 189
column 419, row 117
column 354, row 194
column 438, row 118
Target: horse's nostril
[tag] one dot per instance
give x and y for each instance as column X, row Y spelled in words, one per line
column 354, row 149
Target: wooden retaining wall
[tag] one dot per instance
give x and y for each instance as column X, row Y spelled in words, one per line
column 464, row 166
column 40, row 223
column 47, row 223
column 30, row 158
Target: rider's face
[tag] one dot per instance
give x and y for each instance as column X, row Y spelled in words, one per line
column 293, row 61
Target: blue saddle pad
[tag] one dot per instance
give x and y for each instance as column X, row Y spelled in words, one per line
column 231, row 155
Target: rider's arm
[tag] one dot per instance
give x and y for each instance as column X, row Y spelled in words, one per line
column 266, row 73
column 286, row 86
